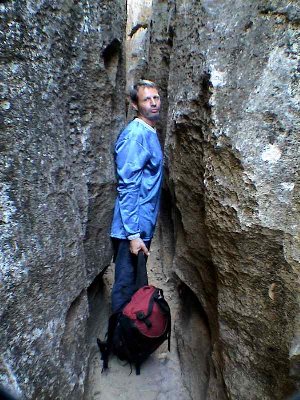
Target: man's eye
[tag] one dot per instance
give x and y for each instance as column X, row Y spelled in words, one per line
column 149, row 98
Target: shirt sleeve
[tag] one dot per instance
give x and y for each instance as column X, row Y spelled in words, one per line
column 131, row 158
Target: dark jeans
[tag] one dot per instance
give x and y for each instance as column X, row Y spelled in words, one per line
column 125, row 273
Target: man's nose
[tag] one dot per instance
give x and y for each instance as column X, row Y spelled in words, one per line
column 153, row 102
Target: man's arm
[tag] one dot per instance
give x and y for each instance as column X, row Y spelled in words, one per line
column 131, row 158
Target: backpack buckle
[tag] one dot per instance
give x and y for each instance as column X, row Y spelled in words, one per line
column 144, row 318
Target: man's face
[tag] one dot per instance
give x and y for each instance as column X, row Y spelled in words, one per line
column 148, row 105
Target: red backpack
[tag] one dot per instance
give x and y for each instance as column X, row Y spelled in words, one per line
column 140, row 328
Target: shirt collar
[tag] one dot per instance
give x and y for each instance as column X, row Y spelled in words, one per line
column 145, row 124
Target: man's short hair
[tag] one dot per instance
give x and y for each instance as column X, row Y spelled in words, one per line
column 141, row 83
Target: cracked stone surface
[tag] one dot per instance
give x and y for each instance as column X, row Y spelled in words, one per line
column 229, row 232
column 61, row 73
column 232, row 162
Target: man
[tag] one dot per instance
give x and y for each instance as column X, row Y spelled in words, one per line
column 139, row 164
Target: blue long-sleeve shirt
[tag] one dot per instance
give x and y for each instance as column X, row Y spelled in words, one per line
column 139, row 162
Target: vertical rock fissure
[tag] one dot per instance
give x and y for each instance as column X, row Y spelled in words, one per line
column 192, row 331
column 196, row 326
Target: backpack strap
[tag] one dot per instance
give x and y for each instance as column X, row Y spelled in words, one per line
column 105, row 347
column 137, row 368
column 160, row 300
column 144, row 318
column 169, row 333
column 164, row 306
column 141, row 271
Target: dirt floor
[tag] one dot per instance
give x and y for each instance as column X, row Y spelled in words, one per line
column 160, row 377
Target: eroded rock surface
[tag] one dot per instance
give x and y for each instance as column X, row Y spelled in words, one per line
column 137, row 38
column 229, row 232
column 232, row 158
column 62, row 70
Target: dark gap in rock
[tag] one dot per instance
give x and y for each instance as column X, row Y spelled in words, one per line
column 206, row 91
column 118, row 90
column 110, row 52
column 194, row 343
column 171, row 34
column 94, row 290
column 98, row 302
column 191, row 303
column 248, row 26
column 136, row 28
column 111, row 55
column 98, row 295
column 166, row 231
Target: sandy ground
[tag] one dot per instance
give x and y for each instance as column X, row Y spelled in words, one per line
column 160, row 377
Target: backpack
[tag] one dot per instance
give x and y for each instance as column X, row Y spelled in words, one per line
column 141, row 327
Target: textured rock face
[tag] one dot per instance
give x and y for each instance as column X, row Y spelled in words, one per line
column 62, row 80
column 229, row 73
column 138, row 18
column 232, row 158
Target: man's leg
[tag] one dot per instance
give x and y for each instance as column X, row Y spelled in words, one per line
column 125, row 267
column 124, row 276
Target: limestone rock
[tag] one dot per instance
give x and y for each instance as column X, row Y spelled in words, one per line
column 138, row 21
column 232, row 162
column 62, row 79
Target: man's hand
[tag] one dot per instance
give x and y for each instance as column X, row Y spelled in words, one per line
column 136, row 245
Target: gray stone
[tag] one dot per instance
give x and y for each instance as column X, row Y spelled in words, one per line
column 229, row 231
column 232, row 163
column 62, row 80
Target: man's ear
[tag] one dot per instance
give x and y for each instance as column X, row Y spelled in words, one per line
column 134, row 106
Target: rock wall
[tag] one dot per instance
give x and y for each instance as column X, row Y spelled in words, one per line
column 229, row 73
column 62, row 70
column 229, row 76
column 137, row 38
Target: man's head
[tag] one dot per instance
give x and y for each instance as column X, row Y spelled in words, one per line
column 146, row 101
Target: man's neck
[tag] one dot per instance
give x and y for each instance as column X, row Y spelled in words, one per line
column 147, row 121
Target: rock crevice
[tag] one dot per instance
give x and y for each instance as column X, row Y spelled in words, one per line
column 229, row 221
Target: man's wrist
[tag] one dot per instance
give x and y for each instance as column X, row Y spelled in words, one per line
column 134, row 236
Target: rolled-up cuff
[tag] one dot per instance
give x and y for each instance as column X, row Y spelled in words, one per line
column 135, row 236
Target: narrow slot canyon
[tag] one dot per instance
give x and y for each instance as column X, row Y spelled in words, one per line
column 226, row 249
